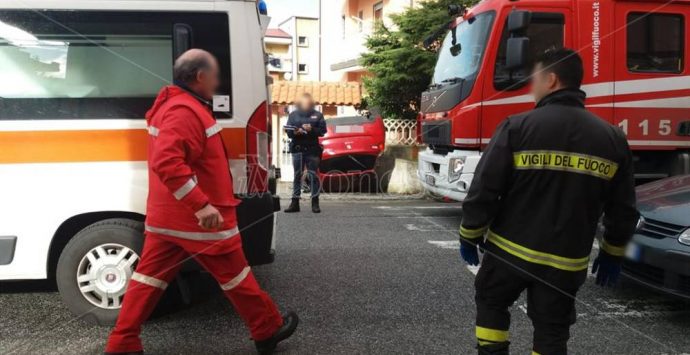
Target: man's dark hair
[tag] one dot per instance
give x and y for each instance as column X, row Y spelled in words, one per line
column 565, row 63
column 307, row 95
column 185, row 70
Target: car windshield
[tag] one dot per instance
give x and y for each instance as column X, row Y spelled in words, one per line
column 461, row 62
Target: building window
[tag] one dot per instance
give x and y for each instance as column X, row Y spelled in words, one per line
column 655, row 42
column 360, row 22
column 302, row 69
column 378, row 11
column 303, row 41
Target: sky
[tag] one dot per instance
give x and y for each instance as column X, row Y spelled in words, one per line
column 280, row 10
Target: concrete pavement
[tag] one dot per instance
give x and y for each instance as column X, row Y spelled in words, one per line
column 366, row 278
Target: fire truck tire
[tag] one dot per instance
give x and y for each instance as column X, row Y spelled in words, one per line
column 95, row 266
column 436, row 197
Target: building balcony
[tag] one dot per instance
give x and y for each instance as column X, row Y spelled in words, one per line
column 348, row 57
column 279, row 64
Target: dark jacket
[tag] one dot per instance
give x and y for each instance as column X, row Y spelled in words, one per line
column 309, row 141
column 542, row 185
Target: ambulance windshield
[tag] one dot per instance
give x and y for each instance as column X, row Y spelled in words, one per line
column 461, row 60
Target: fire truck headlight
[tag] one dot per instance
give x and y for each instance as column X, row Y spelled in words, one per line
column 455, row 168
column 684, row 237
column 640, row 224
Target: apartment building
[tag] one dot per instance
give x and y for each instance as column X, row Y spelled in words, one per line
column 306, row 47
column 278, row 44
column 346, row 24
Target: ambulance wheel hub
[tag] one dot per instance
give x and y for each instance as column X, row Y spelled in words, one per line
column 103, row 274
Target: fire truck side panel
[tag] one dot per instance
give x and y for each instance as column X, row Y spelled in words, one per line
column 649, row 105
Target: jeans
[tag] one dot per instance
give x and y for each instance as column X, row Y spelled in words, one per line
column 310, row 161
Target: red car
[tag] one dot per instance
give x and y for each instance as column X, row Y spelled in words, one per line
column 351, row 148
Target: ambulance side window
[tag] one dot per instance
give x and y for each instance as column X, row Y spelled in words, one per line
column 546, row 31
column 655, row 42
column 94, row 64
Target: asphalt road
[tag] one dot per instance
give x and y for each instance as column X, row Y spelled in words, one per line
column 366, row 278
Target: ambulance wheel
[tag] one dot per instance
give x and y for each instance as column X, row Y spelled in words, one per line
column 95, row 267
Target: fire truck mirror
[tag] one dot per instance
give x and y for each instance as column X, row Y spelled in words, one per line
column 516, row 53
column 518, row 21
column 456, row 10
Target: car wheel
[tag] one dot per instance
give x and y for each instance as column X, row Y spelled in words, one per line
column 95, row 267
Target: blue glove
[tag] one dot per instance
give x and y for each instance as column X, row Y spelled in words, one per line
column 468, row 252
column 607, row 268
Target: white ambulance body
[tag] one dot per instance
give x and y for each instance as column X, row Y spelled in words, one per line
column 76, row 78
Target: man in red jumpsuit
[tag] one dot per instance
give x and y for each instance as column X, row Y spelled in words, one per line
column 191, row 212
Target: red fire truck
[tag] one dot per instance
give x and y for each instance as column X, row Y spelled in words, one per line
column 636, row 77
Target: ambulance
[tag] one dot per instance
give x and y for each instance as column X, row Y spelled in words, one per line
column 76, row 78
column 637, row 76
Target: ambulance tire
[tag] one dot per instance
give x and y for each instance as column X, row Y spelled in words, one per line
column 117, row 231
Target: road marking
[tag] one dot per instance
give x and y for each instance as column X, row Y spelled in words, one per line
column 426, row 228
column 401, row 208
column 446, row 244
column 416, row 216
column 453, row 245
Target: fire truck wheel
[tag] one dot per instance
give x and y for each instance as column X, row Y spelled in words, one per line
column 436, row 197
column 95, row 266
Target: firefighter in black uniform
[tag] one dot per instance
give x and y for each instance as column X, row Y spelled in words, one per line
column 534, row 205
column 304, row 127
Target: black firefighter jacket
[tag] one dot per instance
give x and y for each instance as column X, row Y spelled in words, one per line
column 542, row 184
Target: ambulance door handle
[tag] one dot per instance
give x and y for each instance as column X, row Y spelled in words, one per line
column 183, row 39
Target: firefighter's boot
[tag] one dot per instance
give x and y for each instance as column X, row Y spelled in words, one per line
column 494, row 349
column 294, row 206
column 267, row 346
column 315, row 205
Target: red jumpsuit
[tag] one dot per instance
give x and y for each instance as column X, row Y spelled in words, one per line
column 188, row 168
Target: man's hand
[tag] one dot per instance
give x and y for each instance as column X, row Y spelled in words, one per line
column 468, row 252
column 307, row 127
column 607, row 268
column 209, row 217
column 300, row 131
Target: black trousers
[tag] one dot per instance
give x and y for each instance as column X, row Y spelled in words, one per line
column 498, row 285
column 309, row 159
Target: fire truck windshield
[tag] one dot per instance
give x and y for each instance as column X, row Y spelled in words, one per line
column 460, row 59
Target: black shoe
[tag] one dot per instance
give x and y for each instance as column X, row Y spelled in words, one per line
column 294, row 206
column 315, row 205
column 494, row 349
column 266, row 347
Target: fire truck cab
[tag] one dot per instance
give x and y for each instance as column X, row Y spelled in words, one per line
column 636, row 77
